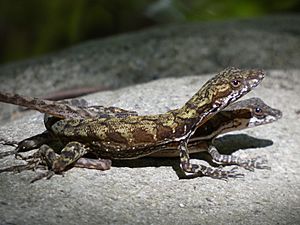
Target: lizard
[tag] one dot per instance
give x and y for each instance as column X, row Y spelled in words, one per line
column 137, row 136
column 239, row 115
column 236, row 116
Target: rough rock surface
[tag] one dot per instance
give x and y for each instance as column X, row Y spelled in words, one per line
column 169, row 51
column 148, row 191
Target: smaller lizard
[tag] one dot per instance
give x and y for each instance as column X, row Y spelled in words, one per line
column 237, row 116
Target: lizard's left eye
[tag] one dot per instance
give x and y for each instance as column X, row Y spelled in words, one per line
column 235, row 83
column 258, row 111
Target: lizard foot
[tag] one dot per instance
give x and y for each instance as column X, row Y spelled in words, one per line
column 196, row 170
column 31, row 165
column 217, row 173
column 248, row 164
column 48, row 174
column 255, row 163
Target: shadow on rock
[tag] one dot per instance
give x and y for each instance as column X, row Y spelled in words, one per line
column 230, row 143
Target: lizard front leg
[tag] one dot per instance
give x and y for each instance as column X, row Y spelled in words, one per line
column 68, row 156
column 46, row 157
column 248, row 164
column 198, row 170
column 27, row 144
column 58, row 163
column 34, row 142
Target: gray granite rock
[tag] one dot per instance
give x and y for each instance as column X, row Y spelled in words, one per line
column 148, row 191
column 168, row 51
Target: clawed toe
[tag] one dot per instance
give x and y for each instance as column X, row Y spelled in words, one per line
column 31, row 165
column 255, row 163
column 233, row 173
column 219, row 173
column 261, row 163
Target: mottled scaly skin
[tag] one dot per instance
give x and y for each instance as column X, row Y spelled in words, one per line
column 237, row 116
column 137, row 135
column 75, row 108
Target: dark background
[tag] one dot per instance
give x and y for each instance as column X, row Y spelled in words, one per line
column 30, row 28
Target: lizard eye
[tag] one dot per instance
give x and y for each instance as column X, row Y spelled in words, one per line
column 258, row 111
column 235, row 83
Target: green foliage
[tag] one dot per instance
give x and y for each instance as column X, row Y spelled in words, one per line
column 33, row 27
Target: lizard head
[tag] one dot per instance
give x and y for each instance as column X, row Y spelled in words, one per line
column 217, row 93
column 262, row 113
column 231, row 84
column 253, row 112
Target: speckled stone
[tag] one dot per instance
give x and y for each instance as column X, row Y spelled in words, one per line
column 148, row 191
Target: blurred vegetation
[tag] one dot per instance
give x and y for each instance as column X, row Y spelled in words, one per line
column 34, row 27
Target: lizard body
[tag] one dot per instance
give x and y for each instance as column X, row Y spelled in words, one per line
column 133, row 136
column 136, row 136
column 237, row 116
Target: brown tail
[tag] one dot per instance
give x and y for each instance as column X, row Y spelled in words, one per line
column 44, row 106
column 65, row 109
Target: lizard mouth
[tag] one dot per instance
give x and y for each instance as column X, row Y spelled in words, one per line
column 258, row 76
column 277, row 113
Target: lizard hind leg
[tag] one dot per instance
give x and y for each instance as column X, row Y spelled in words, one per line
column 27, row 144
column 196, row 170
column 34, row 142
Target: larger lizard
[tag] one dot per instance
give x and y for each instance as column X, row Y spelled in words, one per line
column 137, row 136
